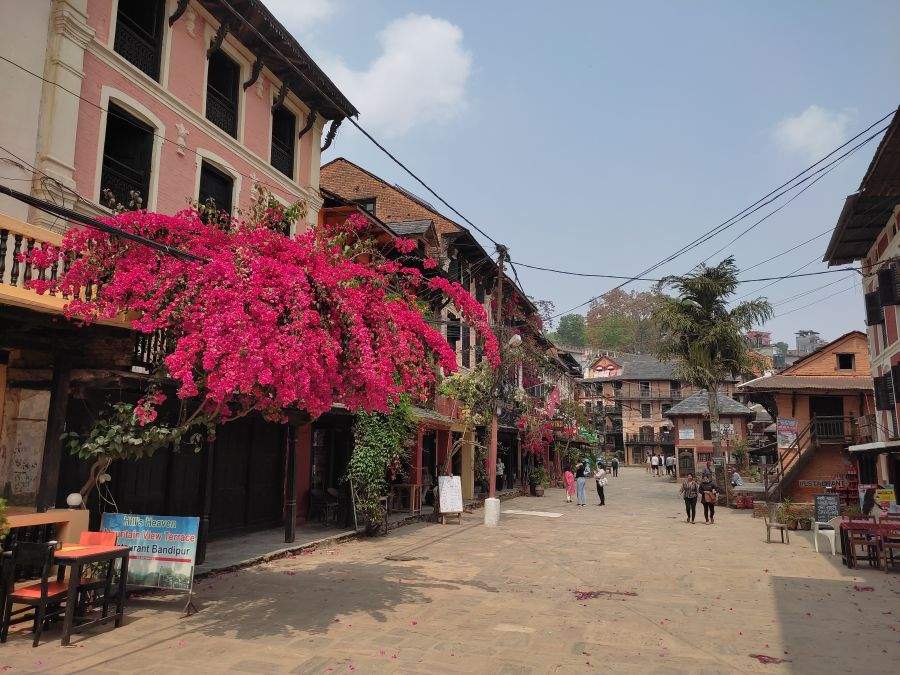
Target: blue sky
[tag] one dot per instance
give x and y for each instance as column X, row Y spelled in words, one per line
column 599, row 137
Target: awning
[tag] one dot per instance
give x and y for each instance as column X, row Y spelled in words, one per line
column 437, row 420
column 876, row 446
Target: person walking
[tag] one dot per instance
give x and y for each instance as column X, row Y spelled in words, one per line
column 600, row 477
column 654, row 464
column 708, row 471
column 615, row 467
column 649, row 466
column 570, row 484
column 689, row 489
column 709, row 495
column 582, row 471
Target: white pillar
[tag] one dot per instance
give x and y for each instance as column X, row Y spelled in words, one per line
column 491, row 512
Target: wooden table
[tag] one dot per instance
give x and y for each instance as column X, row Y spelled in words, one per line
column 76, row 557
column 884, row 528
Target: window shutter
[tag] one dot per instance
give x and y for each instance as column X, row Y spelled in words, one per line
column 887, row 287
column 884, row 392
column 874, row 311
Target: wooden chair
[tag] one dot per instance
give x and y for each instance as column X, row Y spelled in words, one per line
column 771, row 521
column 97, row 539
column 89, row 586
column 867, row 542
column 829, row 531
column 45, row 598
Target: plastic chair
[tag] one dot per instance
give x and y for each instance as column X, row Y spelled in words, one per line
column 45, row 597
column 771, row 521
column 829, row 531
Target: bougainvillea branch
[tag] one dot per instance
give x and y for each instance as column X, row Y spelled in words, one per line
column 269, row 322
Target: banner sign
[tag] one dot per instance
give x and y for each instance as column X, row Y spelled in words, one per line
column 686, row 433
column 163, row 548
column 787, row 432
column 450, row 491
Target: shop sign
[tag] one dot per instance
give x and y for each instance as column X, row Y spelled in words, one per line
column 163, row 548
column 686, row 433
column 787, row 432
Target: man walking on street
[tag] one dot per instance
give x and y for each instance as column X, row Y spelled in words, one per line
column 615, row 467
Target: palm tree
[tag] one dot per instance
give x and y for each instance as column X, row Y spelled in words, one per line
column 703, row 336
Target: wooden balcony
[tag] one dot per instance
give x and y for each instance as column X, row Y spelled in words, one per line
column 18, row 237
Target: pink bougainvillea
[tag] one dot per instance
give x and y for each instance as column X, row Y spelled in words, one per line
column 264, row 321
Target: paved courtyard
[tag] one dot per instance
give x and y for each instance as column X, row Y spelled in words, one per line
column 628, row 587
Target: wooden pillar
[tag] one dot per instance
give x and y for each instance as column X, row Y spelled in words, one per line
column 206, row 486
column 56, row 424
column 417, row 456
column 290, row 501
column 303, row 442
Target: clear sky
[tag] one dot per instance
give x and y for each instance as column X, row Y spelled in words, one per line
column 601, row 136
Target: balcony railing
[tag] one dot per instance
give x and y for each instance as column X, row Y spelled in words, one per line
column 282, row 159
column 18, row 238
column 123, row 181
column 221, row 111
column 137, row 48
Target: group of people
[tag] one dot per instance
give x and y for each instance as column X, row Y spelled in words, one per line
column 705, row 490
column 656, row 463
column 576, row 481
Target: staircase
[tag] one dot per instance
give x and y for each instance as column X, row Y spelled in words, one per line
column 821, row 430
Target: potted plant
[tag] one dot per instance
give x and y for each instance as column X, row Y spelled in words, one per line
column 787, row 513
column 538, row 479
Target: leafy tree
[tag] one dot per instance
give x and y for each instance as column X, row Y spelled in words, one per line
column 704, row 336
column 571, row 331
column 781, row 347
column 624, row 320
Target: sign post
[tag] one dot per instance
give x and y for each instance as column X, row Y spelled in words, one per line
column 450, row 497
column 163, row 550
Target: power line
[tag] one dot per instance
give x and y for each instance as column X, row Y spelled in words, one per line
column 816, row 302
column 790, row 250
column 810, row 291
column 352, row 121
column 748, row 210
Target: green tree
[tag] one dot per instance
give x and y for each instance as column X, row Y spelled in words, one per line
column 571, row 330
column 624, row 320
column 781, row 347
column 704, row 336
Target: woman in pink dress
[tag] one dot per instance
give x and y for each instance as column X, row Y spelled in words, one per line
column 570, row 485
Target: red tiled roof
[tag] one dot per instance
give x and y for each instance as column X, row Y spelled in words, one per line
column 811, row 382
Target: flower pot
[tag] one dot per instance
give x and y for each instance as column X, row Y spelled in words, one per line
column 537, row 490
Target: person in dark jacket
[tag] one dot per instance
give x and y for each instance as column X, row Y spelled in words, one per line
column 689, row 490
column 615, row 467
column 709, row 496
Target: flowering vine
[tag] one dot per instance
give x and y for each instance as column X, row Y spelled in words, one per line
column 261, row 321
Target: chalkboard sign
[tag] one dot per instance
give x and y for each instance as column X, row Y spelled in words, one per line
column 450, row 491
column 827, row 507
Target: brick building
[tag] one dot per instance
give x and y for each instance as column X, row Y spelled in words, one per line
column 692, row 432
column 823, row 403
column 628, row 396
column 867, row 231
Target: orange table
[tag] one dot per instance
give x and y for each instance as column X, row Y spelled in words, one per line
column 77, row 556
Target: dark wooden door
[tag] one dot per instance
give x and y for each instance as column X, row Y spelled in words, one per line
column 248, row 476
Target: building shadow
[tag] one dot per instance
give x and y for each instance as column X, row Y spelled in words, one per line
column 842, row 625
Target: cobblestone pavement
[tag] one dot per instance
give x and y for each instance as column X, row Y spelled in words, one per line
column 658, row 595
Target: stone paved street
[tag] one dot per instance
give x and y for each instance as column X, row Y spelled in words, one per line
column 664, row 596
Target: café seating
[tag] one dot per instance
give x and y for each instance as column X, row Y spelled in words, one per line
column 861, row 544
column 97, row 539
column 772, row 523
column 45, row 597
column 827, row 530
column 90, row 586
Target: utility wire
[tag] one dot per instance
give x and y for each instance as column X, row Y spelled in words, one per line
column 243, row 19
column 810, row 291
column 816, row 302
column 750, row 209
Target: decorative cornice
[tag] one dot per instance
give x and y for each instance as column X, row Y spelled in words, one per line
column 70, row 22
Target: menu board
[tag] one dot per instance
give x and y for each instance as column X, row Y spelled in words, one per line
column 828, row 506
column 450, row 490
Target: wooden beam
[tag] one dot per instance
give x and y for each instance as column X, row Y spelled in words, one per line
column 290, row 518
column 254, row 73
column 310, row 120
column 216, row 43
column 56, row 422
column 332, row 132
column 279, row 100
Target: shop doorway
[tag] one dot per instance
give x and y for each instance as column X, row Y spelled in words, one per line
column 685, row 463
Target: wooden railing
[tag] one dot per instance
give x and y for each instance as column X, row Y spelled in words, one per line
column 18, row 238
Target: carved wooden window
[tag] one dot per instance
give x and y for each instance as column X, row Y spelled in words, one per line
column 127, row 155
column 222, row 86
column 139, row 30
column 284, row 126
column 216, row 188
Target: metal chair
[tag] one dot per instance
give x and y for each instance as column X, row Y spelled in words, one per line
column 45, row 598
column 771, row 521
